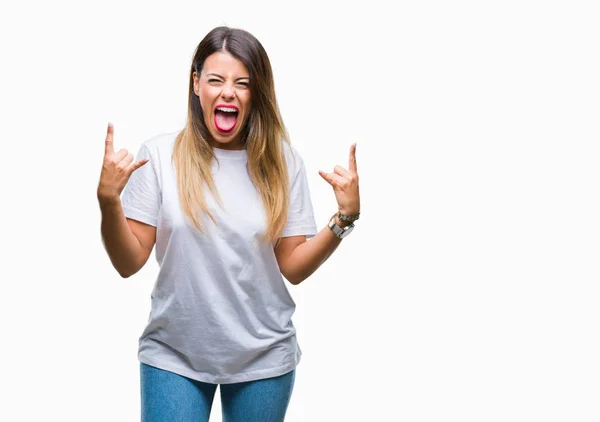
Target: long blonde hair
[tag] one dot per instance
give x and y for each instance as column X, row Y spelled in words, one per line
column 263, row 136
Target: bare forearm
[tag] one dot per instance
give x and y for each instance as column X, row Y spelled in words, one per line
column 310, row 255
column 123, row 248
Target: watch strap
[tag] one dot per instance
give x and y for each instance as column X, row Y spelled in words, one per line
column 350, row 218
column 339, row 231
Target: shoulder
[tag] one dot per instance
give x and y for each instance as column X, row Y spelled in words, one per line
column 161, row 144
column 293, row 158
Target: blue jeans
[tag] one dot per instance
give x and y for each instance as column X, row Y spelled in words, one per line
column 167, row 396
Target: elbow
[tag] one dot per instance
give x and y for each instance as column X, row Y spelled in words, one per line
column 122, row 270
column 126, row 271
column 125, row 274
column 295, row 274
column 296, row 279
column 292, row 278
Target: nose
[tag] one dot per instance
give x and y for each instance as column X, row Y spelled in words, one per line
column 228, row 92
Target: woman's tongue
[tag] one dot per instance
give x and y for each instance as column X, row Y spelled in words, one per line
column 225, row 121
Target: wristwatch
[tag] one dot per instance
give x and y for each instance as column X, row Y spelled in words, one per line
column 339, row 231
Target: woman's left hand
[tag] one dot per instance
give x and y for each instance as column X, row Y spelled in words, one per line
column 345, row 185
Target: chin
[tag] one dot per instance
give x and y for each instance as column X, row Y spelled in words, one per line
column 227, row 141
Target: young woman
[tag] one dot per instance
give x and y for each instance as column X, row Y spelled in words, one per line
column 227, row 203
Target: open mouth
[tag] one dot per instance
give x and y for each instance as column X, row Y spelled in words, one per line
column 226, row 117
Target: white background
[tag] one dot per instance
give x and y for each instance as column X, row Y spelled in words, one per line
column 469, row 288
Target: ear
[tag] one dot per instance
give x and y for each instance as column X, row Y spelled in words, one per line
column 196, row 84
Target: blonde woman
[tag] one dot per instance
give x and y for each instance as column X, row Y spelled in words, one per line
column 227, row 203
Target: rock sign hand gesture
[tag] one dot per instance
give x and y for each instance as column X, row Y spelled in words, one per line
column 345, row 185
column 116, row 169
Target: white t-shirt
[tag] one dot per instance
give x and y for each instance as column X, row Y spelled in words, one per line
column 221, row 311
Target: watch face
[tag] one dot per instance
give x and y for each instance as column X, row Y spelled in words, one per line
column 347, row 231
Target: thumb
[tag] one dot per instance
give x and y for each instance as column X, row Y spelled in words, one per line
column 137, row 165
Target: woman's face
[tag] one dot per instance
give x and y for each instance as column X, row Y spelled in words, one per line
column 224, row 91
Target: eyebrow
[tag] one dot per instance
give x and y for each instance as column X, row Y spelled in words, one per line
column 219, row 76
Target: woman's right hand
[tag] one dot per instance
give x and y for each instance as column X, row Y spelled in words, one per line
column 116, row 170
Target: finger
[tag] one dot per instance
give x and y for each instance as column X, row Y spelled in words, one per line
column 108, row 145
column 352, row 160
column 137, row 165
column 332, row 178
column 124, row 163
column 122, row 153
column 342, row 172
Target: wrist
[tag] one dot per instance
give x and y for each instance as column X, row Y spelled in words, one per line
column 340, row 227
column 347, row 216
column 341, row 223
column 108, row 201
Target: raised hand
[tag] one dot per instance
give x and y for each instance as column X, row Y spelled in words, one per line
column 116, row 169
column 345, row 185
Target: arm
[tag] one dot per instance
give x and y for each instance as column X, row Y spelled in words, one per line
column 127, row 242
column 299, row 258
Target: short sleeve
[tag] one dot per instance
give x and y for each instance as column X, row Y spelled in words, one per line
column 301, row 218
column 141, row 197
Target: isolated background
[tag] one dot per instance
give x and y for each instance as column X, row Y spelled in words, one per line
column 469, row 289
